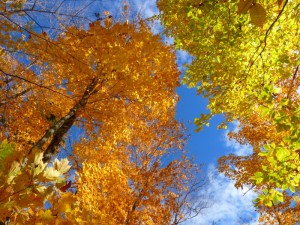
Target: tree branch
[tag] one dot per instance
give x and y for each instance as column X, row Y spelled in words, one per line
column 15, row 96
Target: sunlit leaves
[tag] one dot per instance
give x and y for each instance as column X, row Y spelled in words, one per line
column 269, row 198
column 257, row 11
column 246, row 62
column 282, row 154
column 26, row 187
column 62, row 166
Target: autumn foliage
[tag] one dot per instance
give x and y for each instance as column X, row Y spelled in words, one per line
column 87, row 110
column 88, row 133
column 246, row 63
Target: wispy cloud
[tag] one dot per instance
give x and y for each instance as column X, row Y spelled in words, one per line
column 230, row 205
column 146, row 8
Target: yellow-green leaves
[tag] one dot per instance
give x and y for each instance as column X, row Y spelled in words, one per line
column 51, row 174
column 246, row 63
column 282, row 154
column 15, row 170
column 38, row 165
column 269, row 198
column 6, row 149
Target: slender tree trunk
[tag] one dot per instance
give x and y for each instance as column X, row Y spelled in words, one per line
column 59, row 129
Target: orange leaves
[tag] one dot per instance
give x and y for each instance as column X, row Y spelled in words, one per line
column 116, row 82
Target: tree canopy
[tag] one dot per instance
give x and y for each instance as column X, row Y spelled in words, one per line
column 246, row 63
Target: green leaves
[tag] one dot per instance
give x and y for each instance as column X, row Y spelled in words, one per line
column 15, row 170
column 201, row 121
column 6, row 149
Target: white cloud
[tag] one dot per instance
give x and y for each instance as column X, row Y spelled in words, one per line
column 298, row 90
column 183, row 57
column 230, row 205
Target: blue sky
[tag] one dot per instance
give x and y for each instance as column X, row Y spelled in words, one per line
column 229, row 205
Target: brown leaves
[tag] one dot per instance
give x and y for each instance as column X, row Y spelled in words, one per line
column 258, row 15
column 279, row 2
column 257, row 11
column 244, row 6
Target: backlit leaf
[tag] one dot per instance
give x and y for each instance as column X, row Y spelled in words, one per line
column 258, row 15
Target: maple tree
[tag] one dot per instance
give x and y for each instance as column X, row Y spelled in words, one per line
column 246, row 63
column 115, row 83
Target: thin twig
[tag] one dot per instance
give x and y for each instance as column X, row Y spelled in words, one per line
column 31, row 82
column 251, row 62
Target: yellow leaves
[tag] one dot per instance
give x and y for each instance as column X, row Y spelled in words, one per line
column 51, row 174
column 15, row 170
column 89, row 52
column 46, row 215
column 65, row 202
column 62, row 166
column 97, row 184
column 38, row 165
column 258, row 15
column 58, row 169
